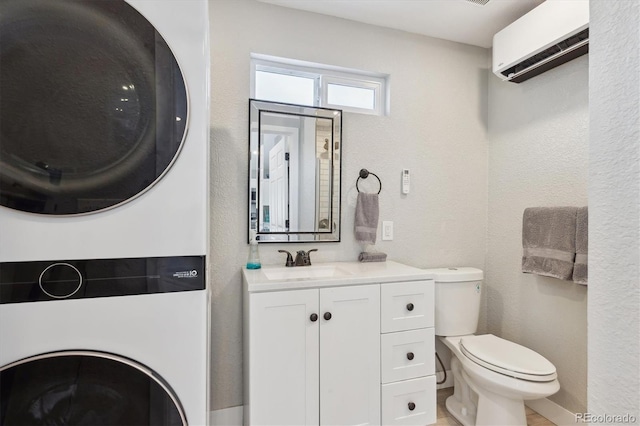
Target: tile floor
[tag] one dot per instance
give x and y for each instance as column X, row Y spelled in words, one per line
column 444, row 418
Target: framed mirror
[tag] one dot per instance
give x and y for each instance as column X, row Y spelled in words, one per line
column 294, row 172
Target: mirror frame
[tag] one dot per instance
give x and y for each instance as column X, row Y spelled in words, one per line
column 256, row 108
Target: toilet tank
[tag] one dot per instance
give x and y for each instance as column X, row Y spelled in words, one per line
column 457, row 300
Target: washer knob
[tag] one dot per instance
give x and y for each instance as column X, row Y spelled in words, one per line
column 60, row 280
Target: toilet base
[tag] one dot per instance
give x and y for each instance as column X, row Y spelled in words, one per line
column 460, row 412
column 463, row 403
column 474, row 405
column 495, row 409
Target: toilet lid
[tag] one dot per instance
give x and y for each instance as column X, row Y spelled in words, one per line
column 508, row 358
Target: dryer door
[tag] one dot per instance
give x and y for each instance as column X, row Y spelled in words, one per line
column 85, row 388
column 93, row 105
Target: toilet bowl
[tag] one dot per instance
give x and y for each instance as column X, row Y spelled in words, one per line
column 492, row 376
column 499, row 394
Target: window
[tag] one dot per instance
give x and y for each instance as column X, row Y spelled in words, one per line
column 285, row 87
column 305, row 83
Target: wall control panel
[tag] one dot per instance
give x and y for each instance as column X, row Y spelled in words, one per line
column 406, row 181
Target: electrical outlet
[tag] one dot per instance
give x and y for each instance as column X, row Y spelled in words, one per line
column 387, row 230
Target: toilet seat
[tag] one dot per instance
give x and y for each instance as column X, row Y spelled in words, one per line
column 508, row 358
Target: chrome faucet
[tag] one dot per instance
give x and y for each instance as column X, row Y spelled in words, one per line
column 302, row 258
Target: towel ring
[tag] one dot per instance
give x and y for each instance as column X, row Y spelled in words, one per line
column 364, row 173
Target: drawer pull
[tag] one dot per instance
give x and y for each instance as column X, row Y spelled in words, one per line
column 313, row 317
column 327, row 316
column 410, row 307
column 410, row 356
column 412, row 406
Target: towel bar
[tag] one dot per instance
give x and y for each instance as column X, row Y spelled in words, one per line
column 364, row 173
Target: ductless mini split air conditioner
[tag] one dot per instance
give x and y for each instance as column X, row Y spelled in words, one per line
column 553, row 33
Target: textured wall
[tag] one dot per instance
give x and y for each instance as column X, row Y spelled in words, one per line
column 538, row 156
column 614, row 203
column 437, row 128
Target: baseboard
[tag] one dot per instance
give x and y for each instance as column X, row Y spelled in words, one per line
column 552, row 411
column 231, row 416
column 447, row 383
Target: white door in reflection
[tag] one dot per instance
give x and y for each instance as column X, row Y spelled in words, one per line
column 278, row 188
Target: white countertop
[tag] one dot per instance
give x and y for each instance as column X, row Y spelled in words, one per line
column 345, row 273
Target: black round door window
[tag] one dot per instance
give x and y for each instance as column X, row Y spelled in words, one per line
column 93, row 105
column 85, row 389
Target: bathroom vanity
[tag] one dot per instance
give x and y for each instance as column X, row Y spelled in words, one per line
column 339, row 343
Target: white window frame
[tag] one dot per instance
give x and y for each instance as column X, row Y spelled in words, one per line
column 376, row 86
column 325, row 75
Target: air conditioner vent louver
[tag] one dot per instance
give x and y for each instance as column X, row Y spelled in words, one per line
column 581, row 38
column 480, row 2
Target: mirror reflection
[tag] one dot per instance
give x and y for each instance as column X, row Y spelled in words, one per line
column 294, row 172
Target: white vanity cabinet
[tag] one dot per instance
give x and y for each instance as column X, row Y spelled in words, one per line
column 314, row 354
column 316, row 351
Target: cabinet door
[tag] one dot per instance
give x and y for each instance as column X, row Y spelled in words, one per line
column 350, row 355
column 284, row 366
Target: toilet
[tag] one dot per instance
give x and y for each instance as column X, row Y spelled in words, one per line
column 492, row 376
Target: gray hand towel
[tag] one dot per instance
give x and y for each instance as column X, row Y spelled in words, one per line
column 366, row 223
column 549, row 241
column 582, row 246
column 366, row 256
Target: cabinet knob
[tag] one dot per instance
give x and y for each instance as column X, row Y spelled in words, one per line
column 313, row 317
column 327, row 316
column 410, row 356
column 410, row 307
column 412, row 406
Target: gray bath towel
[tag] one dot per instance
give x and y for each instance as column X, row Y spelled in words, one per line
column 366, row 223
column 582, row 246
column 549, row 241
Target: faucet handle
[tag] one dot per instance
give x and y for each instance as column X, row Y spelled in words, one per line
column 289, row 261
column 302, row 259
column 309, row 256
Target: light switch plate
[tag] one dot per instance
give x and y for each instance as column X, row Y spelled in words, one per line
column 387, row 230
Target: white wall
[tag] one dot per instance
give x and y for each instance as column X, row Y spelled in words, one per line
column 538, row 156
column 614, row 204
column 437, row 128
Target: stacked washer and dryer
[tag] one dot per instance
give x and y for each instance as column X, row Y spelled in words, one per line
column 103, row 216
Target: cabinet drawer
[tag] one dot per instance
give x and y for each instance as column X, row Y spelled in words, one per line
column 398, row 399
column 408, row 354
column 406, row 306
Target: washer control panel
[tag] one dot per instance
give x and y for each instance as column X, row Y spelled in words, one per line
column 41, row 281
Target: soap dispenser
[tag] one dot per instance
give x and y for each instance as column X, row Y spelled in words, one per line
column 253, row 261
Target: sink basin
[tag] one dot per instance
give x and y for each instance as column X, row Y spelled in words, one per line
column 305, row 272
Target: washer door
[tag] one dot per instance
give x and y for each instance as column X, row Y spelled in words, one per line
column 93, row 105
column 85, row 388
